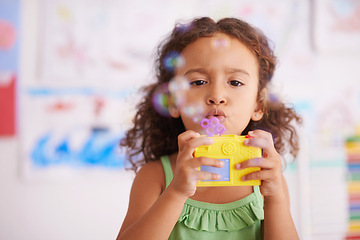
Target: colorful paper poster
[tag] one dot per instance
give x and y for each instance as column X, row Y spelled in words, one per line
column 113, row 42
column 337, row 26
column 7, row 104
column 71, row 129
column 9, row 58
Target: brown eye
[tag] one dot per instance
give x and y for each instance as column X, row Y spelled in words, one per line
column 197, row 83
column 235, row 83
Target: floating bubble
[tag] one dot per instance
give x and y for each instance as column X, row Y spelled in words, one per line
column 197, row 119
column 178, row 87
column 179, row 84
column 173, row 60
column 220, row 43
column 184, row 27
column 192, row 110
column 273, row 98
column 179, row 100
column 160, row 100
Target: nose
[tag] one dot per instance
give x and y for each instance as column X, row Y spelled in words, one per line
column 216, row 96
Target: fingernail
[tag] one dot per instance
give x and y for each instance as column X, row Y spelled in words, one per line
column 246, row 141
column 221, row 164
column 238, row 166
column 243, row 178
column 218, row 176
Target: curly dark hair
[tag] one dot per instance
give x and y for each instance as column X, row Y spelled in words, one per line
column 154, row 135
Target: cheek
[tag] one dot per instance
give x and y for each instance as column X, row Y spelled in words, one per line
column 193, row 100
column 190, row 124
column 193, row 94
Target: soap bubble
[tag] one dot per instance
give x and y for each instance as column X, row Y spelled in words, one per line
column 160, row 100
column 184, row 27
column 220, row 43
column 197, row 119
column 272, row 98
column 173, row 60
column 179, row 83
column 178, row 86
column 192, row 110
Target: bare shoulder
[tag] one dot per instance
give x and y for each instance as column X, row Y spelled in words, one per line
column 148, row 185
column 151, row 173
column 150, row 180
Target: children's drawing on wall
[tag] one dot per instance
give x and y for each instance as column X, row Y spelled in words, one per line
column 99, row 44
column 9, row 51
column 334, row 121
column 71, row 129
column 110, row 40
column 337, row 26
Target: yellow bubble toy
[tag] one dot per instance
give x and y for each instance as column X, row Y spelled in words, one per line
column 231, row 150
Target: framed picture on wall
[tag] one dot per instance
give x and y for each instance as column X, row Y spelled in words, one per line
column 336, row 26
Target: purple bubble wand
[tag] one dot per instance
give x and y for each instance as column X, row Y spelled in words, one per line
column 212, row 126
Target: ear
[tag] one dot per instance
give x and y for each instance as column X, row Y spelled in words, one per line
column 257, row 115
column 174, row 111
column 260, row 106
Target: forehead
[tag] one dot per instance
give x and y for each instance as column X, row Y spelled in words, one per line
column 217, row 43
column 220, row 50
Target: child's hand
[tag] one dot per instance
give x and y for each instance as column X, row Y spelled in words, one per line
column 186, row 172
column 270, row 164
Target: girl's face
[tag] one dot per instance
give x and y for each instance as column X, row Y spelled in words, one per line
column 223, row 77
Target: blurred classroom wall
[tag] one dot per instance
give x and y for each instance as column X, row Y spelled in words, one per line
column 69, row 74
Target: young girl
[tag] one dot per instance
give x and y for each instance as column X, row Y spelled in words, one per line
column 228, row 65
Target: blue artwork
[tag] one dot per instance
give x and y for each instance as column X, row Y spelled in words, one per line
column 9, row 35
column 100, row 149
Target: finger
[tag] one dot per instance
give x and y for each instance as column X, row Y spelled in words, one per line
column 188, row 142
column 261, row 139
column 258, row 175
column 260, row 133
column 185, row 137
column 255, row 162
column 205, row 161
column 208, row 176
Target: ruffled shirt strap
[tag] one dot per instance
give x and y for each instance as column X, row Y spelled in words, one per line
column 165, row 160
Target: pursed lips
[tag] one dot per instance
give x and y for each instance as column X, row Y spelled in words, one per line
column 219, row 114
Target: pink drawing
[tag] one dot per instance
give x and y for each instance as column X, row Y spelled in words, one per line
column 7, row 35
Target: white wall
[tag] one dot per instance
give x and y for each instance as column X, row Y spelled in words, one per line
column 91, row 206
column 92, row 203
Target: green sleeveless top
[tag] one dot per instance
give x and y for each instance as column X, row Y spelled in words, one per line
column 200, row 220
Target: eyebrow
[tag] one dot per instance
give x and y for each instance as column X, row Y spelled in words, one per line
column 195, row 70
column 229, row 70
column 238, row 70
